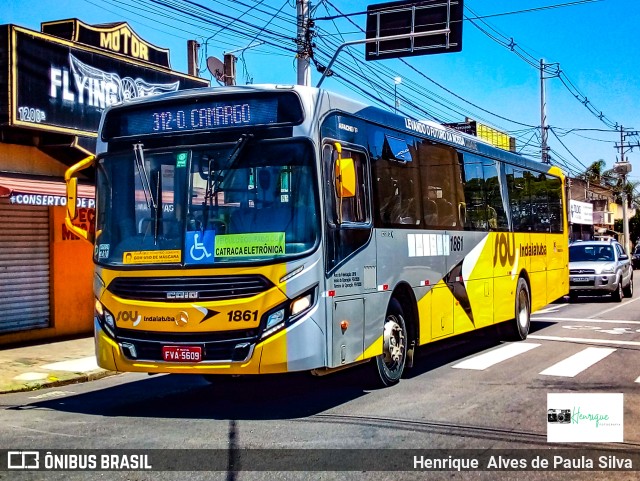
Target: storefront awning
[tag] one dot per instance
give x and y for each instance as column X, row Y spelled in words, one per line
column 34, row 191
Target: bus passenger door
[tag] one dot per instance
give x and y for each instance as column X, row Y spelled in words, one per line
column 349, row 252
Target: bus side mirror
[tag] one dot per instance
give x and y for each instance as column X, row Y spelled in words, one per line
column 72, row 195
column 345, row 175
column 72, row 198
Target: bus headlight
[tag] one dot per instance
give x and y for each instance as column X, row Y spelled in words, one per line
column 301, row 304
column 288, row 313
column 105, row 318
column 275, row 319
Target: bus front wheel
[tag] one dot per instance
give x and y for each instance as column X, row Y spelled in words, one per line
column 390, row 364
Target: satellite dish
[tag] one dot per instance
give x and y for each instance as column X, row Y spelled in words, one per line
column 216, row 68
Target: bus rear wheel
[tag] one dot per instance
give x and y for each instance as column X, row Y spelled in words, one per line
column 517, row 329
column 389, row 365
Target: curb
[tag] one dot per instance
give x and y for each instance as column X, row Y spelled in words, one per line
column 74, row 378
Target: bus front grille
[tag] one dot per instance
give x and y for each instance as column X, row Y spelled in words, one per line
column 185, row 289
column 216, row 346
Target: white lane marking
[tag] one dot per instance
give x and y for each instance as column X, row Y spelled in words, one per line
column 574, row 365
column 571, row 319
column 75, row 365
column 553, row 308
column 615, row 307
column 488, row 359
column 584, row 340
column 638, row 380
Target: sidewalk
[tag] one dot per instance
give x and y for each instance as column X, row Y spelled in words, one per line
column 49, row 364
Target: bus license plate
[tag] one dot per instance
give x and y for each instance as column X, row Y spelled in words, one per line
column 182, row 353
column 580, row 279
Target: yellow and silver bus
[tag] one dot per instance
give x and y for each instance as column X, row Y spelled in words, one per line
column 269, row 229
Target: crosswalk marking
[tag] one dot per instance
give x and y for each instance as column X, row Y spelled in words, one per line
column 574, row 365
column 584, row 340
column 571, row 319
column 483, row 361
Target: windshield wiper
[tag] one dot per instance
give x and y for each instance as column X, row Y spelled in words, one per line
column 152, row 201
column 214, row 184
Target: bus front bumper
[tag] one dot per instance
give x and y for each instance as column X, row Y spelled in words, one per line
column 299, row 347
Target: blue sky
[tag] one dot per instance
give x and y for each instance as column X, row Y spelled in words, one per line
column 595, row 44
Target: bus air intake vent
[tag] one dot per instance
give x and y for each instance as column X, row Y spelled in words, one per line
column 189, row 289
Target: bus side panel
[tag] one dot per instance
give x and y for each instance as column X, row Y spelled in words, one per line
column 477, row 275
column 534, row 251
column 507, row 265
column 557, row 266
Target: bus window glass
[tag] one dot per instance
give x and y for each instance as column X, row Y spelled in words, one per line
column 441, row 183
column 519, row 198
column 143, row 215
column 496, row 211
column 202, row 206
column 475, row 203
column 396, row 185
column 554, row 190
column 540, row 215
column 351, row 209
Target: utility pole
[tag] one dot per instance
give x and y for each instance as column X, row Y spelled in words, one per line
column 622, row 168
column 543, row 115
column 302, row 40
column 192, row 58
column 229, row 69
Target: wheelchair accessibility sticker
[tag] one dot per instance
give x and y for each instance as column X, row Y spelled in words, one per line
column 199, row 247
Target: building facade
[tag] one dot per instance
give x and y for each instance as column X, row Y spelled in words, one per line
column 54, row 86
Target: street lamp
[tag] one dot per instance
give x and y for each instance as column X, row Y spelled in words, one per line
column 396, row 81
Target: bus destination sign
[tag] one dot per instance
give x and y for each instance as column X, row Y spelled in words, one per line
column 197, row 115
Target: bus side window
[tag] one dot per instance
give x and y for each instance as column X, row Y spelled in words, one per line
column 442, row 191
column 351, row 209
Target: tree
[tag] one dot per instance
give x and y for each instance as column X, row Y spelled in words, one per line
column 595, row 173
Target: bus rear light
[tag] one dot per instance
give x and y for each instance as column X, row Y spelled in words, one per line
column 383, row 287
column 344, row 325
column 330, row 293
column 425, row 283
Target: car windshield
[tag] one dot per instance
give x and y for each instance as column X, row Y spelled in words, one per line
column 594, row 253
column 245, row 201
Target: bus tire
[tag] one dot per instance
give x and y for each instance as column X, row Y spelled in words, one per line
column 517, row 329
column 389, row 366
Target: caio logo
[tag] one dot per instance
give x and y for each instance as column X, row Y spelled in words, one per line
column 126, row 316
column 505, row 249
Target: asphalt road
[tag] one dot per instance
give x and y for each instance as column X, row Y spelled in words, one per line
column 468, row 393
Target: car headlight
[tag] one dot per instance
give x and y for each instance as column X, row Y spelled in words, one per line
column 608, row 269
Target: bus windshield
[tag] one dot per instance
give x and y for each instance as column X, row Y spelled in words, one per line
column 248, row 201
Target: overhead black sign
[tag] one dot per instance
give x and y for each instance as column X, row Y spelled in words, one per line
column 65, row 89
column 405, row 17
